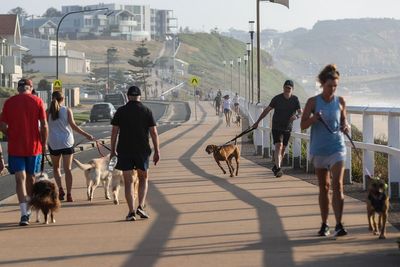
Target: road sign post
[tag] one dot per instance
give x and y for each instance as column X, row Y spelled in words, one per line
column 195, row 81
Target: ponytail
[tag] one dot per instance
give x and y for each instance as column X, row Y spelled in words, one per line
column 55, row 106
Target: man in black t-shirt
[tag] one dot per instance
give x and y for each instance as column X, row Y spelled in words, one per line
column 286, row 109
column 132, row 124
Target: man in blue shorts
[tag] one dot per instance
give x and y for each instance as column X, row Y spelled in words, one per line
column 22, row 114
column 133, row 123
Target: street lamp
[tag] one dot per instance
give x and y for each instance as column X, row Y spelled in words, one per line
column 231, row 75
column 58, row 28
column 239, row 60
column 251, row 31
column 224, row 62
column 246, row 58
column 248, row 49
column 282, row 2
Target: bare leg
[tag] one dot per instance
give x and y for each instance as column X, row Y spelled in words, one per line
column 67, row 164
column 128, row 180
column 278, row 154
column 324, row 184
column 20, row 179
column 56, row 169
column 143, row 186
column 337, row 187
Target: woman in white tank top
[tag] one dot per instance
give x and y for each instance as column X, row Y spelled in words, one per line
column 61, row 141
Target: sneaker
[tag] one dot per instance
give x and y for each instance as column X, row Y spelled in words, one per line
column 274, row 169
column 339, row 230
column 278, row 172
column 61, row 193
column 24, row 220
column 324, row 231
column 69, row 198
column 142, row 213
column 130, row 216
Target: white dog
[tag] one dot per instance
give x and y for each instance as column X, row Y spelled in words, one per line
column 96, row 171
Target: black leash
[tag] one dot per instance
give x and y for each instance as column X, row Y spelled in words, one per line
column 321, row 119
column 248, row 130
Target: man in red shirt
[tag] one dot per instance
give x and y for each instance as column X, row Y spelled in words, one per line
column 20, row 122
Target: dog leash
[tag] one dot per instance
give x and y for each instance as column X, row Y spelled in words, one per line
column 321, row 119
column 248, row 130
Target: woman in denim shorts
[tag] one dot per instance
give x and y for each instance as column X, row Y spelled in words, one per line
column 326, row 115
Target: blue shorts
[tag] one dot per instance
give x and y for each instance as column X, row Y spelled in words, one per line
column 127, row 163
column 29, row 164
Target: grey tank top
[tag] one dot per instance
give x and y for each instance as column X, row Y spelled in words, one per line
column 60, row 133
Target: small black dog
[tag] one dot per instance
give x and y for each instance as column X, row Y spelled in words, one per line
column 45, row 198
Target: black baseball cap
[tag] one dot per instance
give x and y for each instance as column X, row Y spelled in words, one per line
column 134, row 91
column 289, row 83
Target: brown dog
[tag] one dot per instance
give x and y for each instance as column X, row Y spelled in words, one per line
column 377, row 202
column 225, row 153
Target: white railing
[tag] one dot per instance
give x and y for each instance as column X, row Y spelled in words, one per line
column 263, row 145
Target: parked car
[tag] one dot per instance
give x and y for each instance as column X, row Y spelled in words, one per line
column 102, row 111
column 117, row 99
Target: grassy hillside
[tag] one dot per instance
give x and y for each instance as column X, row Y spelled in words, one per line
column 205, row 54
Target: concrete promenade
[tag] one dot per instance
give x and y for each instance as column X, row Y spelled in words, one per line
column 200, row 217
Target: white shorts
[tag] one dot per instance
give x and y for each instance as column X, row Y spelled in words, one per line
column 326, row 162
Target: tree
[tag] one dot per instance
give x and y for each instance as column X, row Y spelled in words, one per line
column 26, row 60
column 52, row 13
column 18, row 11
column 43, row 85
column 144, row 64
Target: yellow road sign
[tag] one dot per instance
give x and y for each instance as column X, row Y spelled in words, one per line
column 57, row 85
column 194, row 81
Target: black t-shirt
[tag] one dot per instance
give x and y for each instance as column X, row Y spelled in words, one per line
column 134, row 120
column 283, row 110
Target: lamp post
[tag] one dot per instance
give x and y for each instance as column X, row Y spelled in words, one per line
column 58, row 29
column 248, row 49
column 282, row 2
column 239, row 60
column 251, row 31
column 231, row 62
column 224, row 62
column 246, row 58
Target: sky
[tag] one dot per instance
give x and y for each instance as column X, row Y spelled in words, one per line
column 225, row 14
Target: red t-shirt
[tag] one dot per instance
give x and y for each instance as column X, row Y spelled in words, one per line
column 22, row 113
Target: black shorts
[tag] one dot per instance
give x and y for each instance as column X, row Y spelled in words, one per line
column 279, row 136
column 127, row 163
column 236, row 104
column 63, row 151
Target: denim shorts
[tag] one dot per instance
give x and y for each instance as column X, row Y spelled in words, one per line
column 29, row 164
column 326, row 162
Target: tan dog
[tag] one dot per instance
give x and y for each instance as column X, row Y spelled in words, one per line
column 96, row 171
column 225, row 153
column 377, row 202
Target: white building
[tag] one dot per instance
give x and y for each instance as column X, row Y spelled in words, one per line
column 44, row 53
column 10, row 51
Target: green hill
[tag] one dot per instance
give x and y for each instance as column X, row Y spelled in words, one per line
column 206, row 52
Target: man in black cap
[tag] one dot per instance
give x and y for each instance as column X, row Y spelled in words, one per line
column 287, row 109
column 133, row 123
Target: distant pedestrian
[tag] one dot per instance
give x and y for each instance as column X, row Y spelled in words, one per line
column 236, row 103
column 132, row 124
column 226, row 105
column 217, row 104
column 61, row 141
column 23, row 120
column 286, row 109
column 326, row 115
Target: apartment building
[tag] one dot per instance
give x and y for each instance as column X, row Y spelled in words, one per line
column 10, row 51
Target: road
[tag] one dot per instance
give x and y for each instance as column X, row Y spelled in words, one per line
column 167, row 114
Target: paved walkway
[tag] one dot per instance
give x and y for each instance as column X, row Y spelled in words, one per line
column 199, row 218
